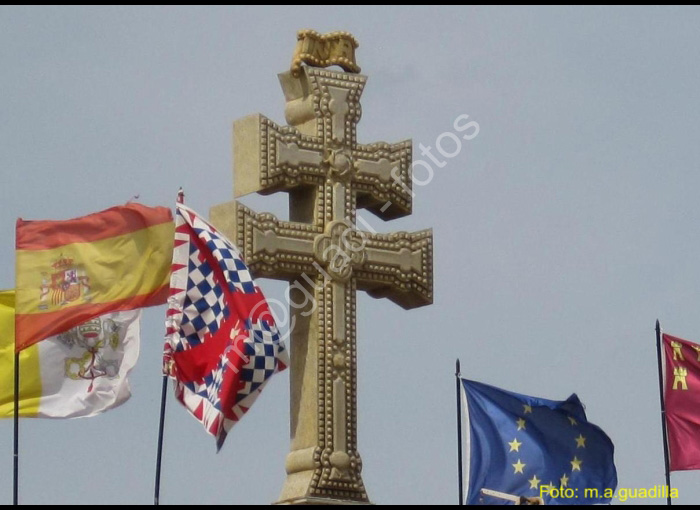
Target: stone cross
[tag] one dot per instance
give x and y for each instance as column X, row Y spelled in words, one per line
column 326, row 259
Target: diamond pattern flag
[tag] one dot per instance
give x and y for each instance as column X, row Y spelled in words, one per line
column 532, row 447
column 222, row 344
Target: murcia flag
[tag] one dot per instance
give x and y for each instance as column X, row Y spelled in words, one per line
column 222, row 344
column 79, row 373
column 71, row 271
column 682, row 400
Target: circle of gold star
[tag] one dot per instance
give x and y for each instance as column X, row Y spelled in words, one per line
column 576, row 464
column 514, row 445
column 518, row 467
column 534, row 482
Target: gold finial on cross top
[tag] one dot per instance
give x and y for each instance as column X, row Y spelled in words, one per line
column 334, row 48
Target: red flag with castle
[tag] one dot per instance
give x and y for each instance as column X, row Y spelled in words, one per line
column 682, row 399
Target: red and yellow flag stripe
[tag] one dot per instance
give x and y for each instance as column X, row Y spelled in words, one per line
column 68, row 272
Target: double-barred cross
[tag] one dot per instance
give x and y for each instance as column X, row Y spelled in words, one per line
column 326, row 259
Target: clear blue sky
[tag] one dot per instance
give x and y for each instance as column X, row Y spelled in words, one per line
column 562, row 231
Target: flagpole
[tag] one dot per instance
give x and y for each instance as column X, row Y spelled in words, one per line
column 15, row 481
column 163, row 400
column 663, row 412
column 459, row 435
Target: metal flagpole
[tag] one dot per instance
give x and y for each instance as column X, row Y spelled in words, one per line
column 459, row 434
column 163, row 399
column 15, row 486
column 663, row 412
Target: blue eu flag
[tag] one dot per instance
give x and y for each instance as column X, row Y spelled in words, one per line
column 532, row 447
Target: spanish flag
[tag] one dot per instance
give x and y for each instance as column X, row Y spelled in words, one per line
column 68, row 272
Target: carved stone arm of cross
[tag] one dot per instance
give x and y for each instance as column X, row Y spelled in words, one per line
column 398, row 266
column 382, row 178
column 276, row 158
column 271, row 248
column 281, row 158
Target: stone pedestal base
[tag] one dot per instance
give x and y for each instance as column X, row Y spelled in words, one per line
column 319, row 501
column 316, row 486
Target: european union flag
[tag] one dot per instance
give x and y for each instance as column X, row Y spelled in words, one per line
column 532, row 447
